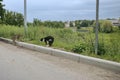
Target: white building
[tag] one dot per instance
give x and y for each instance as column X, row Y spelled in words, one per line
column 67, row 24
column 115, row 22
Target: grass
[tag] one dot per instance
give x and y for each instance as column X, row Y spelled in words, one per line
column 66, row 39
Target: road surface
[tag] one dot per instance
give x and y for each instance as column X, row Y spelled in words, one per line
column 17, row 63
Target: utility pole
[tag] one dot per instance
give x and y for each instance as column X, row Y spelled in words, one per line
column 25, row 17
column 96, row 28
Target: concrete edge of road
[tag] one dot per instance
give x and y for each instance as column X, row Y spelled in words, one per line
column 110, row 65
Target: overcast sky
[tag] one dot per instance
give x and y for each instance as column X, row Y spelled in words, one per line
column 65, row 9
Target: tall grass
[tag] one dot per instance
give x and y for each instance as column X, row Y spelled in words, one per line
column 8, row 31
column 68, row 40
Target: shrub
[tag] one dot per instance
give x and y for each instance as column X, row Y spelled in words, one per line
column 119, row 27
column 79, row 48
column 94, row 26
column 107, row 27
column 101, row 49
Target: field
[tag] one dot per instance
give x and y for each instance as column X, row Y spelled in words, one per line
column 69, row 40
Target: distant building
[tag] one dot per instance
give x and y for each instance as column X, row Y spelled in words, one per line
column 115, row 22
column 67, row 24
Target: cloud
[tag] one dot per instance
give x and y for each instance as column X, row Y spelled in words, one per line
column 14, row 5
column 109, row 8
column 65, row 9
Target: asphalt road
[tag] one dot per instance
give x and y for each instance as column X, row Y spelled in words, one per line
column 17, row 63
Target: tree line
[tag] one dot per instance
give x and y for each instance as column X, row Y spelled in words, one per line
column 14, row 18
column 9, row 17
column 61, row 24
column 1, row 11
column 51, row 24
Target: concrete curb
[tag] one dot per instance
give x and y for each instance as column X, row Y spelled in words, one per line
column 114, row 66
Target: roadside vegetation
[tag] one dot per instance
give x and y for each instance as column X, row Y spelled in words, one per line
column 69, row 40
column 78, row 38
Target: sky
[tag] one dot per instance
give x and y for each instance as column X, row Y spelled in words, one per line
column 65, row 10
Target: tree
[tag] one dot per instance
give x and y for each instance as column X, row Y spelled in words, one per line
column 19, row 19
column 84, row 23
column 119, row 23
column 13, row 18
column 1, row 11
column 37, row 22
column 54, row 24
column 77, row 24
column 71, row 24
